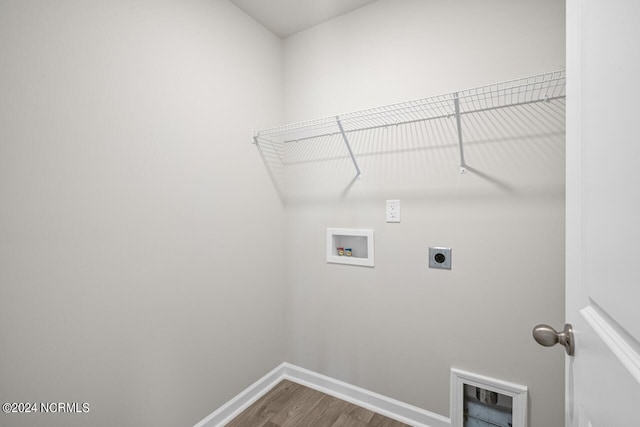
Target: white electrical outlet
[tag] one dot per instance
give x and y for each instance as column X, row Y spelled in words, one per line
column 393, row 210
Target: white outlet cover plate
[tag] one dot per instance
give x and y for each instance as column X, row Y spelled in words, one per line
column 393, row 210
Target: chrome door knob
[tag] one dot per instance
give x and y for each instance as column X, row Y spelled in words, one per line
column 547, row 336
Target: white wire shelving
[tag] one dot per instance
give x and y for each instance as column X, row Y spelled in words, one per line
column 545, row 87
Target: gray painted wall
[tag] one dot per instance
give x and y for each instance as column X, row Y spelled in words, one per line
column 140, row 261
column 398, row 328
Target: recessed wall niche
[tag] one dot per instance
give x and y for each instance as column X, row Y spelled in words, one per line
column 480, row 401
column 350, row 246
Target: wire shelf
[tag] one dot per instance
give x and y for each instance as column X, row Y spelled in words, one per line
column 538, row 88
column 327, row 137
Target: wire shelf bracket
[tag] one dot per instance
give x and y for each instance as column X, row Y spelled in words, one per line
column 346, row 142
column 456, row 103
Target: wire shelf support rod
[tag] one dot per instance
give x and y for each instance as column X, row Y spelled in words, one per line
column 346, row 141
column 456, row 103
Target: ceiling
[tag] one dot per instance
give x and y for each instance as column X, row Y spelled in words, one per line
column 287, row 17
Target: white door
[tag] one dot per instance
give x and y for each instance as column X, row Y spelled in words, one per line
column 603, row 212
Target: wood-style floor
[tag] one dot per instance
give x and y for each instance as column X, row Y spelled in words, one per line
column 289, row 404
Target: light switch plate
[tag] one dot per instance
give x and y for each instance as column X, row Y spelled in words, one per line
column 440, row 258
column 393, row 210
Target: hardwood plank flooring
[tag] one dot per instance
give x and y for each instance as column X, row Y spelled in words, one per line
column 289, row 405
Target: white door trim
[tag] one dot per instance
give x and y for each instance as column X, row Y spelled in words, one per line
column 617, row 343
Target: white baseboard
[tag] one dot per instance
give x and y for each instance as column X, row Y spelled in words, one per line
column 242, row 401
column 383, row 405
